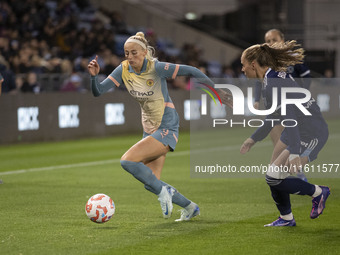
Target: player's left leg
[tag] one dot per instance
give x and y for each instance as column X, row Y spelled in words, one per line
column 156, row 165
column 279, row 180
column 286, row 182
column 190, row 209
column 282, row 201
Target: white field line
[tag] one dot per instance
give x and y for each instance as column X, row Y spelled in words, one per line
column 117, row 160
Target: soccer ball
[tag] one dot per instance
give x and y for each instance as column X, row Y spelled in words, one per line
column 100, row 208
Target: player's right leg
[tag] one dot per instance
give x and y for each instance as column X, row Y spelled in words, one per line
column 280, row 147
column 146, row 150
column 282, row 201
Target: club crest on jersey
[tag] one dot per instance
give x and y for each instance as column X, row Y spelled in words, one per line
column 150, row 82
column 282, row 75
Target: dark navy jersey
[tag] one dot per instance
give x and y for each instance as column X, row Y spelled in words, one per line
column 308, row 125
column 300, row 71
column 302, row 74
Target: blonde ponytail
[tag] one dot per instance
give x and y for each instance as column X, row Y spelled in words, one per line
column 140, row 34
column 278, row 56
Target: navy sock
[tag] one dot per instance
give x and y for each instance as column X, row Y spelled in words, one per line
column 144, row 174
column 282, row 201
column 281, row 190
column 293, row 185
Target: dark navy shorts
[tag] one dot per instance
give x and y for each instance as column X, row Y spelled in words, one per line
column 309, row 146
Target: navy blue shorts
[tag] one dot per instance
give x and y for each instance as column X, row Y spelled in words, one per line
column 309, row 146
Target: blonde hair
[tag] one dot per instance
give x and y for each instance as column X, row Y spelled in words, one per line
column 277, row 56
column 140, row 37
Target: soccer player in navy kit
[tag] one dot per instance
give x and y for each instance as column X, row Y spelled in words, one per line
column 145, row 79
column 297, row 145
column 299, row 71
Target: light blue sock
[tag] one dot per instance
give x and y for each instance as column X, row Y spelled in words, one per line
column 144, row 174
column 178, row 198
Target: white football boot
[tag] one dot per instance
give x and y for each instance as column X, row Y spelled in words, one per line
column 165, row 199
column 189, row 212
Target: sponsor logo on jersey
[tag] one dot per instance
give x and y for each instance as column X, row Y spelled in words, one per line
column 141, row 94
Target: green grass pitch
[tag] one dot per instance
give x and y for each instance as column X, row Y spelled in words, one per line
column 46, row 186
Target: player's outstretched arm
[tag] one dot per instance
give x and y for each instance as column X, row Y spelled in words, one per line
column 246, row 146
column 104, row 86
column 169, row 70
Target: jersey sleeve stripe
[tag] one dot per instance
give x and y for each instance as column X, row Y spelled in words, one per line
column 305, row 73
column 170, row 105
column 175, row 72
column 114, row 80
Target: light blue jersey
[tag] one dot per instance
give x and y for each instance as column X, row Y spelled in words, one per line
column 149, row 88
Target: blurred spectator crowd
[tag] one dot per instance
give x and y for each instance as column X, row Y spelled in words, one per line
column 46, row 45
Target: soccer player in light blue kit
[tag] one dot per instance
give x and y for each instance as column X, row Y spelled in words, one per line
column 145, row 79
column 298, row 144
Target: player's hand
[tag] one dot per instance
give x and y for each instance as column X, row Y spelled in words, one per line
column 257, row 105
column 226, row 97
column 246, row 146
column 295, row 165
column 93, row 67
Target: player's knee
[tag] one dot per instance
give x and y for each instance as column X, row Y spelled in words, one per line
column 125, row 157
column 124, row 163
column 271, row 181
column 128, row 156
column 129, row 166
column 276, row 173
